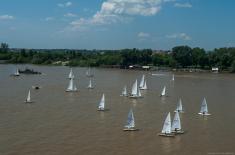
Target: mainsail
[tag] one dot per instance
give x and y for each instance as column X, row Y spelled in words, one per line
column 167, row 125
column 71, row 86
column 28, row 99
column 130, row 120
column 142, row 81
column 71, row 75
column 102, row 103
column 90, row 84
column 163, row 91
column 134, row 91
column 179, row 107
column 204, row 108
column 176, row 124
column 124, row 91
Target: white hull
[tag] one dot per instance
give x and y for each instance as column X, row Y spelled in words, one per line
column 68, row 90
column 28, row 101
column 166, row 134
column 203, row 114
column 102, row 109
column 131, row 96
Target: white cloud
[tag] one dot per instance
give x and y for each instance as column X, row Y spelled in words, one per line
column 6, row 17
column 113, row 11
column 70, row 15
column 182, row 36
column 143, row 35
column 49, row 19
column 62, row 5
column 183, row 5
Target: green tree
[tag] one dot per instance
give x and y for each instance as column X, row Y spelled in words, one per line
column 4, row 47
column 182, row 55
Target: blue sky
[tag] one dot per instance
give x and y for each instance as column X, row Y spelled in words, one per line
column 117, row 24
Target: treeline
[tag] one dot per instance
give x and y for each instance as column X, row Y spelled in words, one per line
column 178, row 57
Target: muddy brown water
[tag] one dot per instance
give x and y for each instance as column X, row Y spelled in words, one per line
column 61, row 123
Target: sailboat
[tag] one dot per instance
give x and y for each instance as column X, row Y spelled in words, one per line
column 72, row 87
column 28, row 99
column 176, row 124
column 173, row 77
column 130, row 124
column 163, row 91
column 124, row 92
column 102, row 104
column 135, row 92
column 166, row 130
column 88, row 73
column 71, row 75
column 145, row 86
column 16, row 73
column 179, row 107
column 142, row 81
column 204, row 108
column 90, row 85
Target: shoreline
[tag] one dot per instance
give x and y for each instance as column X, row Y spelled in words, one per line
column 151, row 69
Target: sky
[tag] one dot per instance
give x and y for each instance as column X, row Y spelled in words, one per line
column 117, row 24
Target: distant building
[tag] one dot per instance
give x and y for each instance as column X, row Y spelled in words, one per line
column 146, row 67
column 215, row 69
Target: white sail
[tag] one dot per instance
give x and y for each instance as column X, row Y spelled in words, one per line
column 88, row 72
column 167, row 125
column 71, row 86
column 102, row 103
column 134, row 91
column 176, row 124
column 204, row 108
column 163, row 91
column 173, row 77
column 16, row 73
column 130, row 120
column 145, row 86
column 28, row 99
column 124, row 91
column 139, row 93
column 179, row 107
column 142, row 81
column 90, row 85
column 71, row 75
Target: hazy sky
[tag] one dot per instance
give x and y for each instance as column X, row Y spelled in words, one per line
column 115, row 24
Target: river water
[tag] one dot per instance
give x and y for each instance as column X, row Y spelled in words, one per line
column 62, row 123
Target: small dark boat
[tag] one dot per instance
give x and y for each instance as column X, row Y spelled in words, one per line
column 29, row 71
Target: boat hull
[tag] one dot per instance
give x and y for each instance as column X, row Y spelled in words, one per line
column 179, row 111
column 131, row 129
column 71, row 90
column 28, row 101
column 135, row 97
column 166, row 135
column 103, row 110
column 203, row 114
column 178, row 132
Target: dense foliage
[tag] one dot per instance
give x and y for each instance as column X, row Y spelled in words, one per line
column 178, row 57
